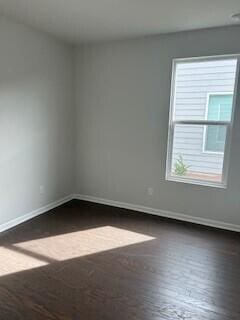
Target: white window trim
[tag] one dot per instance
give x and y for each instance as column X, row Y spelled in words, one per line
column 172, row 123
column 206, row 116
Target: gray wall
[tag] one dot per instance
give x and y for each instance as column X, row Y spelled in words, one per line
column 122, row 105
column 36, row 120
column 122, row 101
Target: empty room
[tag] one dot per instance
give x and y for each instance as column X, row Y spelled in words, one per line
column 119, row 160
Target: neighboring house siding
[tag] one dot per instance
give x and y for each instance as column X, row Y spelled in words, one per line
column 194, row 82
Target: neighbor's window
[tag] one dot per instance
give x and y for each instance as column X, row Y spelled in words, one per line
column 201, row 117
column 219, row 108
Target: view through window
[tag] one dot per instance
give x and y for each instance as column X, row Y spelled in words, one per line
column 201, row 116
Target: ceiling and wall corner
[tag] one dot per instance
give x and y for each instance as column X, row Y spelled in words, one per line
column 78, row 21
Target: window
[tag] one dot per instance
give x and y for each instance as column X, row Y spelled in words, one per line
column 219, row 108
column 201, row 118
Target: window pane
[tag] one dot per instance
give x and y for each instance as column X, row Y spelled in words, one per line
column 215, row 139
column 203, row 91
column 188, row 159
column 200, row 83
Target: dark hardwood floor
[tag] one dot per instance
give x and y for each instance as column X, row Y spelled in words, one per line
column 89, row 261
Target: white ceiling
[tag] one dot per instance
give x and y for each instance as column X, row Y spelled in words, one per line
column 95, row 20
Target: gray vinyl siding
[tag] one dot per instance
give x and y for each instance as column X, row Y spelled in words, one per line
column 194, row 81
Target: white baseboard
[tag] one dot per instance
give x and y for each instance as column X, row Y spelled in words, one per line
column 161, row 213
column 35, row 213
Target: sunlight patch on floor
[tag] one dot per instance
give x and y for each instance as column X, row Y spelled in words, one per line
column 40, row 252
column 81, row 243
column 11, row 262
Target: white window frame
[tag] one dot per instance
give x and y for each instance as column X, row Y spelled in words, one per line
column 173, row 123
column 209, row 94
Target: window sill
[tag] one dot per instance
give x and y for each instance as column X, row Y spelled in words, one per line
column 197, row 182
